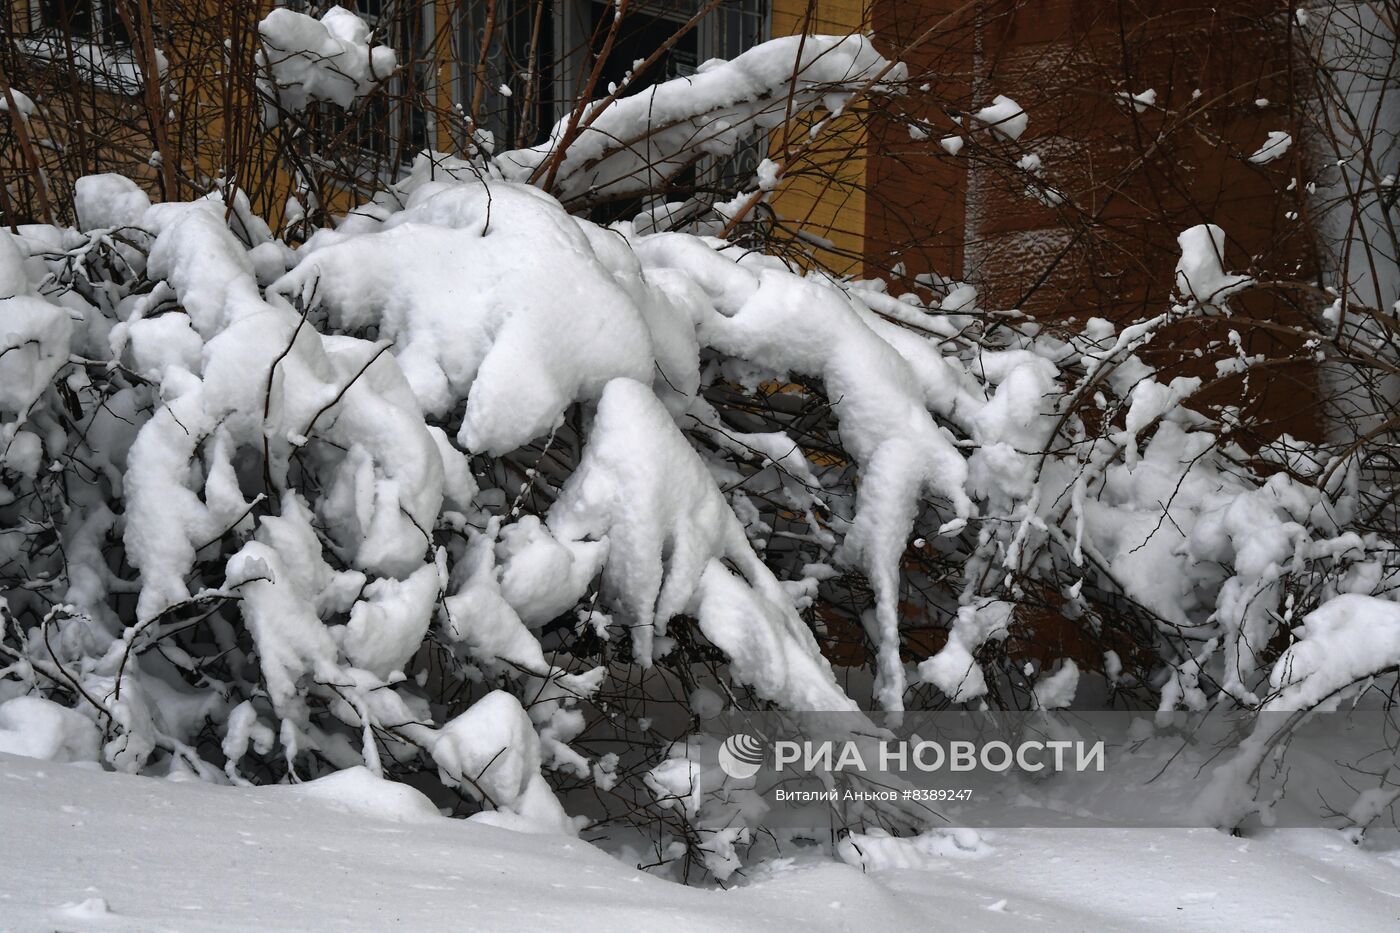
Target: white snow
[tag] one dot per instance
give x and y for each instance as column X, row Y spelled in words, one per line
column 23, row 102
column 492, row 752
column 668, row 530
column 306, row 60
column 283, row 412
column 107, row 201
column 1057, row 690
column 953, row 669
column 1141, row 101
column 39, row 728
column 1275, row 147
column 1004, row 117
column 1200, row 273
column 472, row 279
column 1343, row 641
column 114, row 852
column 768, row 173
column 34, row 334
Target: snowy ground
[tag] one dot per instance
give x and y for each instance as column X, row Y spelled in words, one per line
column 85, row 850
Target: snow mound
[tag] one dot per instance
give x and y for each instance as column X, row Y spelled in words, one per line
column 37, row 728
column 360, row 792
column 314, row 868
column 107, row 201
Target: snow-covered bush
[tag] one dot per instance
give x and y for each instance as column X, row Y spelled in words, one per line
column 474, row 492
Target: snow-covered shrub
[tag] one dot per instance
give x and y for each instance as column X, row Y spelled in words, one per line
column 472, row 491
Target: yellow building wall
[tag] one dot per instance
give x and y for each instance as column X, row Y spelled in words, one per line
column 822, row 199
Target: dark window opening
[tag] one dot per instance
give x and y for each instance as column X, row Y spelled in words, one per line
column 388, row 127
column 519, row 56
column 95, row 20
column 638, row 37
column 641, row 34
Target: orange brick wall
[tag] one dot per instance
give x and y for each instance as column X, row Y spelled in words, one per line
column 1135, row 180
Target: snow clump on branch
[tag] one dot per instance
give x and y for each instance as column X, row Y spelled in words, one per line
column 303, row 60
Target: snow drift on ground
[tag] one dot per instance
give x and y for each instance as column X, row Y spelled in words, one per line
column 112, row 852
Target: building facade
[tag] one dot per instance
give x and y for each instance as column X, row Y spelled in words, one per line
column 1141, row 118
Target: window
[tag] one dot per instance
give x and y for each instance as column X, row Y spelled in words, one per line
column 641, row 34
column 726, row 32
column 88, row 36
column 95, row 20
column 542, row 51
column 510, row 87
column 390, row 127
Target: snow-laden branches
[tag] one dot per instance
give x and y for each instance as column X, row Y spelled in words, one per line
column 471, row 489
column 304, row 59
column 241, row 487
column 619, row 147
